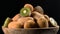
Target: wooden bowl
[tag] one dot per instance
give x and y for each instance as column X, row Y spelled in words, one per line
column 50, row 30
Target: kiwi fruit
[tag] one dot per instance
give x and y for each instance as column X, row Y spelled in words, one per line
column 25, row 12
column 53, row 22
column 47, row 17
column 39, row 9
column 42, row 22
column 7, row 21
column 14, row 25
column 16, row 17
column 29, row 24
column 23, row 20
column 29, row 6
column 37, row 15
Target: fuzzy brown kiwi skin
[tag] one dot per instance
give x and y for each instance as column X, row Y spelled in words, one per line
column 29, row 6
column 47, row 17
column 29, row 24
column 43, row 23
column 40, row 19
column 37, row 15
column 39, row 9
column 23, row 20
column 14, row 25
column 16, row 17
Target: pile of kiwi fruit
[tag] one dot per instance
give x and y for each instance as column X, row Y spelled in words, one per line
column 30, row 17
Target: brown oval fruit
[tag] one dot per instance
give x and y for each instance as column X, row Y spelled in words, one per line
column 39, row 9
column 23, row 20
column 29, row 24
column 47, row 17
column 14, row 25
column 37, row 15
column 16, row 17
column 42, row 22
column 29, row 6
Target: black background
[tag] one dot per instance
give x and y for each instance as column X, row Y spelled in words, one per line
column 8, row 8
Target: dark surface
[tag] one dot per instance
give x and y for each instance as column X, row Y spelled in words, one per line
column 8, row 8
